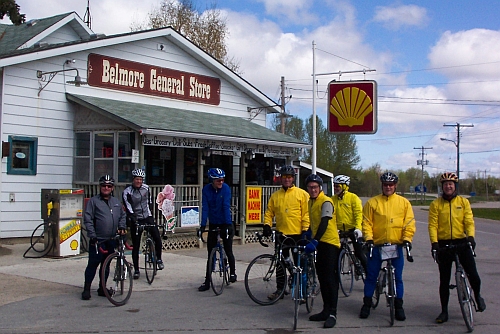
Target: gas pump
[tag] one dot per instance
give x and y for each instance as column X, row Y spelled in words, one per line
column 63, row 209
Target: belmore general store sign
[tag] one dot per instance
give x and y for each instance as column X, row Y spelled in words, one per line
column 125, row 75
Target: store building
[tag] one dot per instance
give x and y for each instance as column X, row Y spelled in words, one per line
column 75, row 105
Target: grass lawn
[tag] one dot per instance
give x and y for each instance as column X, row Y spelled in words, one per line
column 486, row 213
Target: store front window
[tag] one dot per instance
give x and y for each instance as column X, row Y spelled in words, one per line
column 100, row 153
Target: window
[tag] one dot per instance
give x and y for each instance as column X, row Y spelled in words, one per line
column 23, row 154
column 81, row 167
column 126, row 142
column 101, row 153
column 104, row 145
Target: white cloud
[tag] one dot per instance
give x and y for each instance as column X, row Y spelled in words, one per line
column 293, row 11
column 401, row 16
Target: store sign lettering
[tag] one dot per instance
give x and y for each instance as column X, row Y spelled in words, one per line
column 124, row 75
column 215, row 145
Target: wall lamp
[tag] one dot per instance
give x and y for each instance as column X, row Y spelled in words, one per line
column 206, row 153
column 44, row 78
column 249, row 155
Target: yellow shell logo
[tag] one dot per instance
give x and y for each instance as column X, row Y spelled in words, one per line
column 351, row 105
column 73, row 245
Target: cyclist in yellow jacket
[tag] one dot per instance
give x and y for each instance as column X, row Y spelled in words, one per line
column 349, row 214
column 288, row 206
column 325, row 239
column 387, row 218
column 451, row 223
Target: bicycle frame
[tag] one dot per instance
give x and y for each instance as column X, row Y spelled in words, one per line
column 218, row 262
column 386, row 282
column 465, row 299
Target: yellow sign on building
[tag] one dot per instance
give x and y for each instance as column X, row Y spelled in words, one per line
column 254, row 205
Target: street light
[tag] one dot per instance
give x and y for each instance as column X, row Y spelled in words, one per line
column 457, row 145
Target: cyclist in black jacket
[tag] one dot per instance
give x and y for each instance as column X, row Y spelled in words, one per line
column 104, row 217
column 137, row 201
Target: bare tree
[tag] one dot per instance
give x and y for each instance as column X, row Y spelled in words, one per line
column 207, row 29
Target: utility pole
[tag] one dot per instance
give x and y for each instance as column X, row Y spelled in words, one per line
column 458, row 126
column 283, row 115
column 422, row 162
column 486, row 182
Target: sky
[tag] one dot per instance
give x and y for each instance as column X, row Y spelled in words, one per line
column 436, row 66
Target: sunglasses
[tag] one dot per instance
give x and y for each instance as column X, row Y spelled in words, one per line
column 109, row 186
column 287, row 176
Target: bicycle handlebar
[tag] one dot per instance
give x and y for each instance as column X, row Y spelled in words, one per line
column 434, row 252
column 259, row 238
column 409, row 257
column 117, row 237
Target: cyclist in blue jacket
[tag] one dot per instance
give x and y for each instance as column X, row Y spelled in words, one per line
column 216, row 204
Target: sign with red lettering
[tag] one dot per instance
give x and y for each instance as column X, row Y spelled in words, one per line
column 254, row 205
column 352, row 107
column 129, row 76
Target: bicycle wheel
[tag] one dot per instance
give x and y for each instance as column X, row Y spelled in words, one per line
column 296, row 289
column 312, row 285
column 346, row 273
column 391, row 294
column 265, row 279
column 117, row 283
column 150, row 260
column 219, row 270
column 464, row 299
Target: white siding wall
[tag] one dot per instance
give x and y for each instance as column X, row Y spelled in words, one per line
column 47, row 118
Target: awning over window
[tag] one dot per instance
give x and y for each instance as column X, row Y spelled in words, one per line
column 158, row 120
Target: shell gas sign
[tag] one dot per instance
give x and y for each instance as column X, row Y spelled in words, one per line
column 352, row 107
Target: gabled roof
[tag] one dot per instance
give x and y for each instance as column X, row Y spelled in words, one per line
column 93, row 41
column 153, row 119
column 26, row 35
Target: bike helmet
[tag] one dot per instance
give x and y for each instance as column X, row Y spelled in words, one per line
column 106, row 179
column 342, row 179
column 216, row 173
column 448, row 176
column 287, row 170
column 389, row 177
column 314, row 178
column 138, row 173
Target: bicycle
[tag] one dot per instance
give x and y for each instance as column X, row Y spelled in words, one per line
column 350, row 267
column 218, row 263
column 119, row 269
column 465, row 299
column 386, row 282
column 267, row 274
column 149, row 251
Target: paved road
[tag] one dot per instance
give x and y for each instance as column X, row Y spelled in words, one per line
column 43, row 296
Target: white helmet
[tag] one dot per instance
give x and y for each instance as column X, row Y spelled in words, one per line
column 342, row 179
column 138, row 173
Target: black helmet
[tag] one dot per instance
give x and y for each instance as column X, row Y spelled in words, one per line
column 287, row 170
column 389, row 177
column 314, row 178
column 106, row 179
